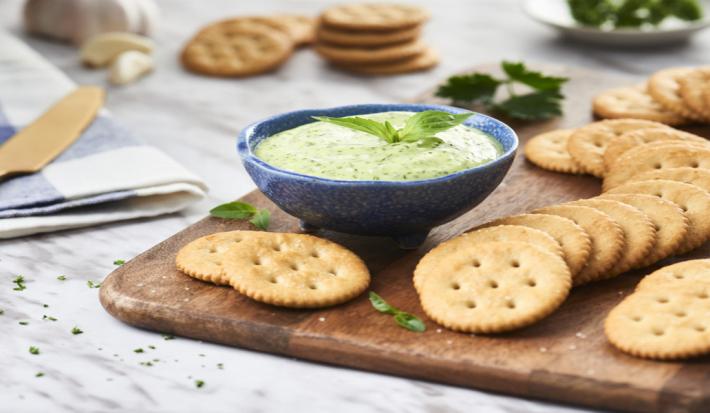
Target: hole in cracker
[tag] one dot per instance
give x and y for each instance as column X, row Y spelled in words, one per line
column 315, row 254
column 256, row 261
column 492, row 284
column 212, row 249
column 703, row 295
column 294, row 266
column 695, row 164
column 662, row 300
column 658, row 194
column 636, row 318
column 684, row 208
column 657, row 165
column 510, row 304
column 678, row 276
column 273, row 280
column 657, row 332
column 598, row 144
column 532, row 283
column 470, row 304
column 313, row 286
column 699, row 329
column 515, row 264
column 680, row 314
column 455, row 286
column 476, row 263
column 277, row 247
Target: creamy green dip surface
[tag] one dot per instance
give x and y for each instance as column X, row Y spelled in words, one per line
column 331, row 151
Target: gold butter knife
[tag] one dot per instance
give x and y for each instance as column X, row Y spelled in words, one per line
column 30, row 149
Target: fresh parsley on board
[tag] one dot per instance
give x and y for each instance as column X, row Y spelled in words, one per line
column 632, row 13
column 404, row 319
column 260, row 218
column 420, row 127
column 542, row 101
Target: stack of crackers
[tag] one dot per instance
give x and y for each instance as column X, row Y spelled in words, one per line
column 246, row 46
column 675, row 96
column 375, row 39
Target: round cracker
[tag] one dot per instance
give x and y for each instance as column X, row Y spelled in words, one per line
column 203, row 258
column 355, row 38
column 295, row 270
column 236, row 51
column 629, row 140
column 575, row 243
column 588, row 143
column 695, row 176
column 549, row 151
column 639, row 232
column 692, row 89
column 500, row 233
column 664, row 88
column 668, row 323
column 423, row 61
column 656, row 156
column 683, row 274
column 495, row 287
column 633, row 102
column 373, row 16
column 361, row 55
column 607, row 239
column 669, row 221
column 301, row 29
column 694, row 202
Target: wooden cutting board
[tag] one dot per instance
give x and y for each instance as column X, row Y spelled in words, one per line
column 564, row 358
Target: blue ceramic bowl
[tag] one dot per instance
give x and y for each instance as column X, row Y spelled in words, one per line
column 406, row 210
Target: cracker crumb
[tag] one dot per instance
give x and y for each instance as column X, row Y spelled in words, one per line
column 187, row 288
column 590, row 371
column 152, row 291
column 185, row 299
column 620, row 292
column 581, row 335
column 572, row 347
column 321, row 319
column 449, row 342
column 438, row 330
column 543, row 349
column 140, row 284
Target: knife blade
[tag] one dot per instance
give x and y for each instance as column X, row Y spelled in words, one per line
column 30, row 149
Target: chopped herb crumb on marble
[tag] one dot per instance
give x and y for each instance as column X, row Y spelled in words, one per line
column 119, row 262
column 40, row 374
column 220, row 366
column 45, row 305
column 23, row 323
column 92, row 284
column 199, row 383
column 168, row 337
column 138, row 350
column 34, row 350
column 62, row 278
column 151, row 347
column 47, row 317
column 2, row 311
column 146, row 363
column 76, row 330
column 19, row 281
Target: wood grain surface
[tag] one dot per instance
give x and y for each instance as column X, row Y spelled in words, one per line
column 563, row 358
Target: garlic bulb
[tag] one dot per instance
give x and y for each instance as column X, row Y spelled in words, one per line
column 101, row 49
column 78, row 20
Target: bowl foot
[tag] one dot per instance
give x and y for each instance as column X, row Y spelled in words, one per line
column 410, row 241
column 306, row 227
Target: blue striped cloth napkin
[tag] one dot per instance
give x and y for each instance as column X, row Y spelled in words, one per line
column 106, row 175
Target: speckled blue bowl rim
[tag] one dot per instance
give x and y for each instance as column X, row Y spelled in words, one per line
column 245, row 151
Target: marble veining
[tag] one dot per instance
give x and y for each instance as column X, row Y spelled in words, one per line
column 196, row 120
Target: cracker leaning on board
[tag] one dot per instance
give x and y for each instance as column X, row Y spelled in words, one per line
column 516, row 270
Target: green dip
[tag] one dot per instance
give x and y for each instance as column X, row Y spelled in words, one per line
column 331, row 151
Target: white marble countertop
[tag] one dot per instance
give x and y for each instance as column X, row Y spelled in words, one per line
column 195, row 120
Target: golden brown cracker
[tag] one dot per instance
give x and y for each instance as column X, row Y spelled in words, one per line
column 632, row 139
column 692, row 88
column 239, row 50
column 694, row 202
column 639, row 232
column 363, row 55
column 301, row 29
column 686, row 174
column 575, row 243
column 373, row 16
column 664, row 324
column 664, row 88
column 423, row 61
column 548, row 150
column 499, row 233
column 289, row 270
column 633, row 102
column 358, row 38
column 669, row 221
column 588, row 143
column 607, row 239
column 656, row 156
column 685, row 274
column 495, row 287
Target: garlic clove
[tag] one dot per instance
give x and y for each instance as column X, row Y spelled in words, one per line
column 100, row 50
column 129, row 66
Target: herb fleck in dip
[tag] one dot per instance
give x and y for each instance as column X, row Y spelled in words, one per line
column 330, row 151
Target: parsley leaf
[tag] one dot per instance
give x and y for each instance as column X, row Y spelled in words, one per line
column 34, row 350
column 119, row 262
column 233, row 210
column 632, row 13
column 199, row 383
column 92, row 284
column 241, row 210
column 543, row 102
column 19, row 281
column 517, row 71
column 40, row 374
column 138, row 350
column 474, row 87
column 62, row 278
column 76, row 330
column 403, row 319
column 533, row 106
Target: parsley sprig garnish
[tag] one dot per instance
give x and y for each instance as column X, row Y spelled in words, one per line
column 420, row 127
column 241, row 210
column 404, row 319
column 632, row 13
column 543, row 101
